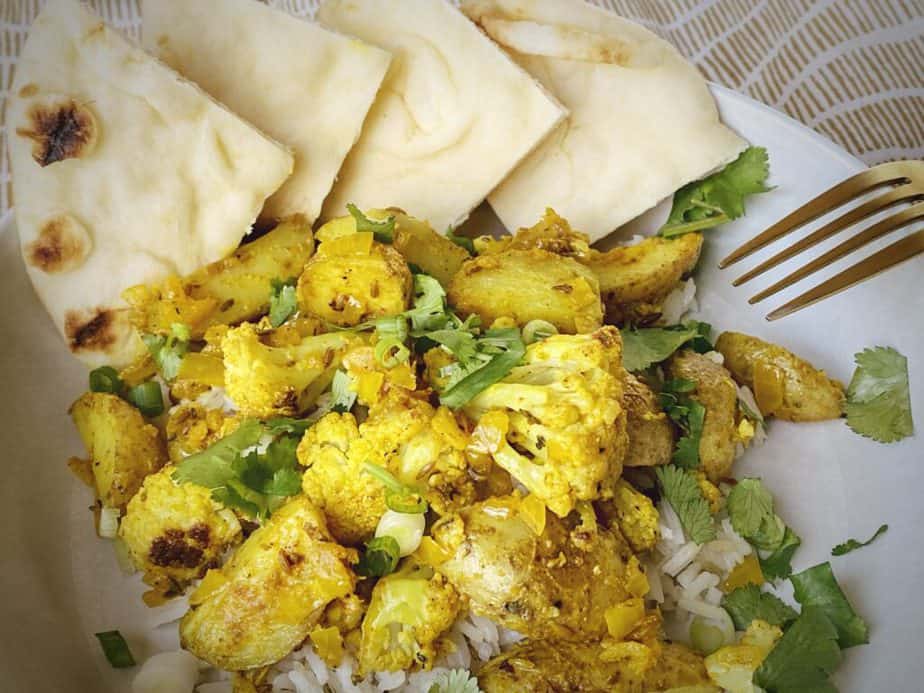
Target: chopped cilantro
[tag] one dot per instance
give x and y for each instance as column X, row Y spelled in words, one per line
column 778, row 565
column 719, row 198
column 384, row 231
column 455, row 681
column 283, row 301
column 817, row 587
column 747, row 603
column 689, row 415
column 255, row 483
column 853, row 544
column 646, row 346
column 878, row 398
column 681, row 489
column 429, row 311
column 168, row 351
column 804, row 657
column 497, row 353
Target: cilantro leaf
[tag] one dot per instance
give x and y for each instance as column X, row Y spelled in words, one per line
column 747, row 603
column 750, row 505
column 853, row 544
column 687, row 413
column 212, row 467
column 681, row 489
column 804, row 657
column 878, row 398
column 719, row 198
column 778, row 565
column 817, row 587
column 644, row 347
column 455, row 681
column 506, row 349
column 462, row 241
column 283, row 301
column 168, row 351
column 429, row 311
column 384, row 231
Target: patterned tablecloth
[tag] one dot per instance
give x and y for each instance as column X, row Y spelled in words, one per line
column 851, row 69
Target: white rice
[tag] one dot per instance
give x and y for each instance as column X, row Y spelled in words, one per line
column 217, row 398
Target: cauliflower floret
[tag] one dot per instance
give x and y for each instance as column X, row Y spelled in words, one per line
column 123, row 448
column 334, row 453
column 634, row 514
column 175, row 532
column 353, row 278
column 192, row 428
column 268, row 381
column 422, row 445
column 557, row 423
column 733, row 667
column 408, row 612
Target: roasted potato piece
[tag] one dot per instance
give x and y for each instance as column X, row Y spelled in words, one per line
column 651, row 438
column 784, row 385
column 408, row 611
column 353, row 278
column 533, row 666
column 556, row 423
column 432, row 252
column 226, row 292
column 633, row 514
column 268, row 381
column 267, row 598
column 554, row 585
column 551, row 233
column 529, row 285
column 122, row 446
column 635, row 280
column 716, row 391
column 175, row 532
column 732, row 667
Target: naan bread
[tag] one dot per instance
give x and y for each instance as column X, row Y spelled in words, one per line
column 642, row 122
column 123, row 173
column 453, row 118
column 299, row 83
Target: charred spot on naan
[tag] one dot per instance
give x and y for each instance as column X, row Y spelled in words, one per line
column 59, row 131
column 62, row 245
column 96, row 331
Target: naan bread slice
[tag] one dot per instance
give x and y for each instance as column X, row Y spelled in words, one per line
column 642, row 122
column 454, row 116
column 297, row 82
column 123, row 173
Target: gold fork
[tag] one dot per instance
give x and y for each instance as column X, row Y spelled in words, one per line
column 905, row 180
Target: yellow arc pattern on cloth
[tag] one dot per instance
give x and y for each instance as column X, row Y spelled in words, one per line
column 851, row 69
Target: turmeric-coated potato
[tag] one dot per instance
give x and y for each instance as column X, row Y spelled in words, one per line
column 432, row 252
column 635, row 280
column 529, row 285
column 622, row 667
column 551, row 233
column 263, row 603
column 175, row 532
column 784, row 385
column 716, row 391
column 651, row 438
column 353, row 278
column 228, row 291
column 122, row 446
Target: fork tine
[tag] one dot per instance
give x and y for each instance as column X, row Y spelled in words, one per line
column 867, row 209
column 864, row 181
column 891, row 255
column 877, row 230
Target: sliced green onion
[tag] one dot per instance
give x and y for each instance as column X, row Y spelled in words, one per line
column 705, row 638
column 383, row 475
column 406, row 529
column 391, row 351
column 536, row 330
column 147, row 397
column 116, row 649
column 463, row 241
column 180, row 331
column 380, row 557
column 342, row 397
column 105, row 379
column 108, row 522
column 404, row 502
column 392, row 326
